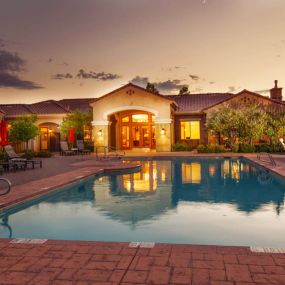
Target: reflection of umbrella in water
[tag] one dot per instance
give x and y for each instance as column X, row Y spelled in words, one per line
column 264, row 177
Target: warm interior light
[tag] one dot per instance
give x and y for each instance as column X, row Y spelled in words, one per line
column 100, row 133
column 162, row 131
column 49, row 130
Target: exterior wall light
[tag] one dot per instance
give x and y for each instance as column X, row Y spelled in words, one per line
column 100, row 133
column 162, row 131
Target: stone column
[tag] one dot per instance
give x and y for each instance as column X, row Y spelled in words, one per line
column 163, row 135
column 100, row 133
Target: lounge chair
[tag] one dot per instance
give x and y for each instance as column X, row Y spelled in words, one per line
column 64, row 149
column 18, row 161
column 80, row 147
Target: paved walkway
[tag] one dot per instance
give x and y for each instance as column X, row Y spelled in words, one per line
column 86, row 263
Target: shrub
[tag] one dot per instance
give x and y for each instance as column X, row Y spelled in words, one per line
column 211, row 148
column 89, row 146
column 235, row 147
column 263, row 148
column 181, row 146
column 277, row 147
column 44, row 154
column 28, row 154
column 201, row 148
column 246, row 148
column 3, row 155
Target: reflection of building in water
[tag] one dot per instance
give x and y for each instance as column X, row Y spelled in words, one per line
column 150, row 192
column 191, row 172
column 144, row 181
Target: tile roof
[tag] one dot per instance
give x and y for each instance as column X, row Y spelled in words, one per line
column 15, row 109
column 48, row 107
column 45, row 107
column 198, row 102
column 82, row 104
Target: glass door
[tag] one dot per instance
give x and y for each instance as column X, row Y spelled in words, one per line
column 136, row 136
column 145, row 133
column 125, row 137
column 44, row 139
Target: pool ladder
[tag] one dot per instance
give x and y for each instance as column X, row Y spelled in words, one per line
column 270, row 157
column 7, row 188
column 108, row 153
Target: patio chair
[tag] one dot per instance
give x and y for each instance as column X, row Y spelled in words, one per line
column 18, row 161
column 80, row 147
column 64, row 149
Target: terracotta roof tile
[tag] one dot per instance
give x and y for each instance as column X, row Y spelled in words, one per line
column 15, row 109
column 82, row 104
column 198, row 102
column 48, row 107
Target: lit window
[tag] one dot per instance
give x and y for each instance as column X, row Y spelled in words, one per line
column 126, row 119
column 190, row 130
column 140, row 118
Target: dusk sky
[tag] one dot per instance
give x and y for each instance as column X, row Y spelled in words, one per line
column 86, row 48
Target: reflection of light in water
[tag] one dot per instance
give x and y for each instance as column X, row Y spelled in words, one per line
column 225, row 168
column 212, row 170
column 144, row 181
column 235, row 170
column 163, row 175
column 191, row 172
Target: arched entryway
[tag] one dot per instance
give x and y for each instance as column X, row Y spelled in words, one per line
column 132, row 129
column 133, row 118
column 49, row 137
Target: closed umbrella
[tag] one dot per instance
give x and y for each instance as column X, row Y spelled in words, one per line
column 71, row 137
column 3, row 133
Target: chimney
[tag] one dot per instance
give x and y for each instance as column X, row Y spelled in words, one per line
column 276, row 92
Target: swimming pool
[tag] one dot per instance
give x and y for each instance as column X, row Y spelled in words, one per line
column 198, row 201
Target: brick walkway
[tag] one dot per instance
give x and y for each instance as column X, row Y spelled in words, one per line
column 85, row 263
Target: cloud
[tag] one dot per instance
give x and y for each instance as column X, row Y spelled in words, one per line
column 50, row 60
column 232, row 88
column 9, row 80
column 169, row 85
column 2, row 43
column 101, row 76
column 212, row 82
column 60, row 76
column 194, row 77
column 140, row 81
column 81, row 74
column 10, row 65
column 164, row 86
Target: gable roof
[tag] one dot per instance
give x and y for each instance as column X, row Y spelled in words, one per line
column 82, row 104
column 134, row 86
column 198, row 102
column 248, row 92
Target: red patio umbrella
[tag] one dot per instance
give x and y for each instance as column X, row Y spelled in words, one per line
column 3, row 133
column 71, row 137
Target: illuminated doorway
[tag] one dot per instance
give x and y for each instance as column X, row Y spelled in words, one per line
column 137, row 130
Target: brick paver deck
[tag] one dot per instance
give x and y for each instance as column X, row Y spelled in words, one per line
column 106, row 263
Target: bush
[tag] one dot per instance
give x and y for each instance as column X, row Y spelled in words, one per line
column 211, row 148
column 201, row 148
column 3, row 155
column 263, row 148
column 28, row 154
column 181, row 146
column 246, row 148
column 89, row 146
column 44, row 154
column 277, row 147
column 235, row 147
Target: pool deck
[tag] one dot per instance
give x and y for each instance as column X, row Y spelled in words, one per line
column 109, row 263
column 86, row 263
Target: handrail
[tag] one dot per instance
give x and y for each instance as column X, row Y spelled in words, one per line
column 107, row 152
column 271, row 159
column 8, row 184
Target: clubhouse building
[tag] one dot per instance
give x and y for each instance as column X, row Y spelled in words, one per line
column 132, row 118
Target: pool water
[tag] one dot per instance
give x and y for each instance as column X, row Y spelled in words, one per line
column 198, row 201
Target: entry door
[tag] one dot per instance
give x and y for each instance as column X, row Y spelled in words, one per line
column 141, row 136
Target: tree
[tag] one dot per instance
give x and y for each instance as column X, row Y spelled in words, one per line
column 23, row 129
column 151, row 88
column 77, row 120
column 184, row 90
